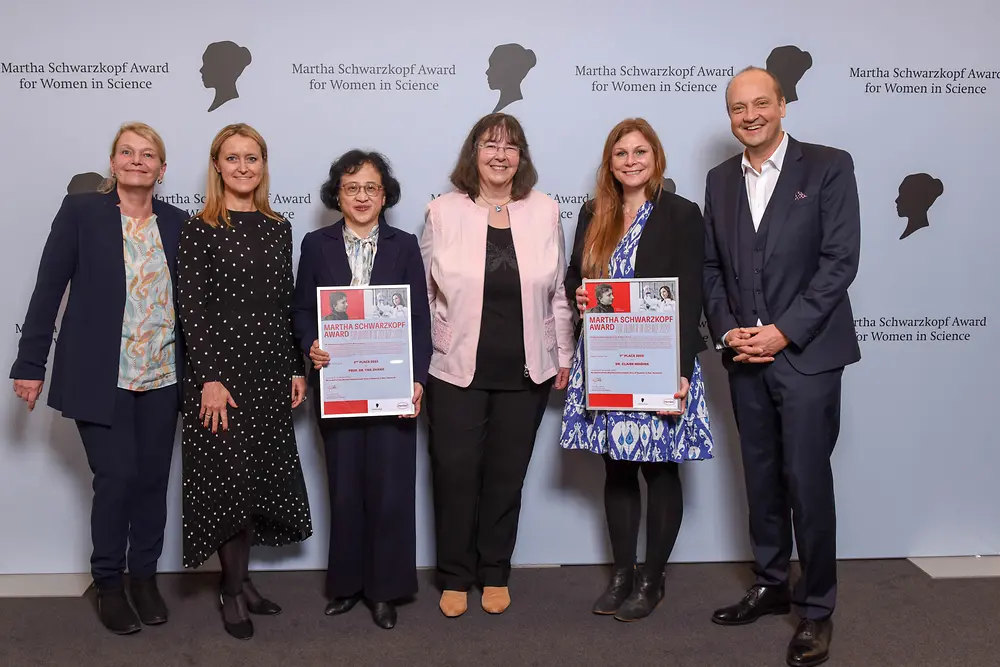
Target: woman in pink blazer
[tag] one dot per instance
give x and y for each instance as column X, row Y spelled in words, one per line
column 502, row 334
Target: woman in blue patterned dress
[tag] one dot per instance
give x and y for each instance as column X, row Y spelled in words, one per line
column 633, row 228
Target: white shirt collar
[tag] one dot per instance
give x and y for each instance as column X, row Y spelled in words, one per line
column 777, row 157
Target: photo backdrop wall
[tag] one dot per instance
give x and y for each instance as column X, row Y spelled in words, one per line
column 909, row 87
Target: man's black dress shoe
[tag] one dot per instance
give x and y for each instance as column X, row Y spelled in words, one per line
column 341, row 605
column 759, row 601
column 618, row 590
column 384, row 615
column 257, row 603
column 646, row 596
column 148, row 603
column 116, row 613
column 811, row 644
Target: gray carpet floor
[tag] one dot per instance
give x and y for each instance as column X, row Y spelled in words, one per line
column 890, row 613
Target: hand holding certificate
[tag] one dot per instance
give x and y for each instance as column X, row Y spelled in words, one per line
column 365, row 333
column 631, row 343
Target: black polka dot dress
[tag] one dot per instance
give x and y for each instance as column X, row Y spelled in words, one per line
column 234, row 298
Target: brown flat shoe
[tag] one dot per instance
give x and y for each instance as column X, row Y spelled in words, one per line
column 454, row 603
column 496, row 599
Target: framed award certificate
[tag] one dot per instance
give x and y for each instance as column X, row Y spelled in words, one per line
column 366, row 331
column 631, row 344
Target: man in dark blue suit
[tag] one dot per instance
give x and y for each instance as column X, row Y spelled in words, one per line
column 783, row 237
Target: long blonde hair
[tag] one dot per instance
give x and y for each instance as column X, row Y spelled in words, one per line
column 215, row 213
column 605, row 229
column 144, row 131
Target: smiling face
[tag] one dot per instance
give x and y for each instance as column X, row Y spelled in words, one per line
column 632, row 160
column 362, row 195
column 497, row 160
column 240, row 164
column 136, row 162
column 755, row 111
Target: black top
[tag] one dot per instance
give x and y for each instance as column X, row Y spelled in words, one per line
column 672, row 245
column 500, row 362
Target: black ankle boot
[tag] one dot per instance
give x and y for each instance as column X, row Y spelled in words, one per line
column 115, row 612
column 618, row 590
column 646, row 596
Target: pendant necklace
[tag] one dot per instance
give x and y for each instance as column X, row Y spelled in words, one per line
column 496, row 207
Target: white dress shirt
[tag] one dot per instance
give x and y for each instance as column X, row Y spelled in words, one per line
column 760, row 186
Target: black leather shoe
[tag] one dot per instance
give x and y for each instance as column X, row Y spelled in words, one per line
column 116, row 613
column 341, row 605
column 619, row 588
column 257, row 603
column 811, row 644
column 647, row 594
column 235, row 616
column 384, row 615
column 148, row 603
column 759, row 601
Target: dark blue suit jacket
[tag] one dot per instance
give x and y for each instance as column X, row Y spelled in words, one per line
column 84, row 249
column 323, row 263
column 810, row 258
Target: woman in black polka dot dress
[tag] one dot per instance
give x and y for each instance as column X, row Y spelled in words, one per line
column 243, row 481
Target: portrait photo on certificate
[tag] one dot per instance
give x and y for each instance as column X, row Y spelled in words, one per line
column 631, row 344
column 366, row 332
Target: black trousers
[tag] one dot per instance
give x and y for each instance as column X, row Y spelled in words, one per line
column 480, row 446
column 371, row 469
column 131, row 464
column 789, row 424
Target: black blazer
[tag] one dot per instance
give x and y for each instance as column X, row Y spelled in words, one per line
column 672, row 244
column 84, row 249
column 810, row 259
column 323, row 263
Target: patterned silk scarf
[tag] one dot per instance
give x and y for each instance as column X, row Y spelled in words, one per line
column 361, row 254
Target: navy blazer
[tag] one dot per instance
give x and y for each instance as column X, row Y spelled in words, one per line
column 811, row 255
column 84, row 250
column 323, row 263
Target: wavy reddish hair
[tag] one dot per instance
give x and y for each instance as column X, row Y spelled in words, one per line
column 605, row 229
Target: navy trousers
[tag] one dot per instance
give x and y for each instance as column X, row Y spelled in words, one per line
column 130, row 460
column 789, row 423
column 371, row 468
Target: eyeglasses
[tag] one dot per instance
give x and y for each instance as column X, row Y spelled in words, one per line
column 351, row 189
column 490, row 148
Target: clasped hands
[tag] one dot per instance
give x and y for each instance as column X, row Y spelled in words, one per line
column 216, row 399
column 756, row 345
column 582, row 301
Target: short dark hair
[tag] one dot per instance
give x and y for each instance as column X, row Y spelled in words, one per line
column 349, row 163
column 603, row 288
column 494, row 126
column 753, row 68
column 336, row 297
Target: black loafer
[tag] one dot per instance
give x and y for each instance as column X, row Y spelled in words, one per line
column 116, row 613
column 384, row 615
column 341, row 605
column 149, row 604
column 759, row 601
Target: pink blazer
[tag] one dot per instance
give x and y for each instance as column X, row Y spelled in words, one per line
column 453, row 246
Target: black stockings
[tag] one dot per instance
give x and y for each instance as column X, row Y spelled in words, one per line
column 623, row 506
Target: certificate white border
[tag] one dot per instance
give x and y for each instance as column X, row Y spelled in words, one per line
column 375, row 406
column 640, row 402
